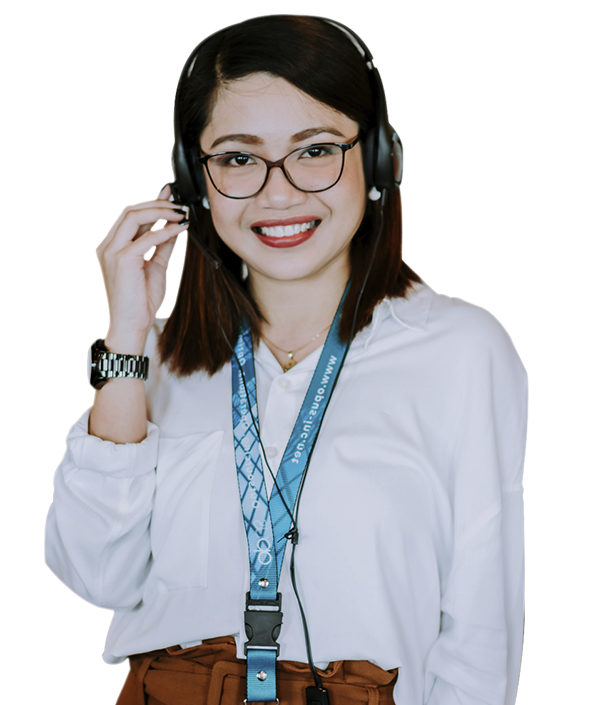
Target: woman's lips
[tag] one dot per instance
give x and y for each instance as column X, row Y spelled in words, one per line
column 288, row 232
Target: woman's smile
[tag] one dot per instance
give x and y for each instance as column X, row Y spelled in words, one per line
column 286, row 232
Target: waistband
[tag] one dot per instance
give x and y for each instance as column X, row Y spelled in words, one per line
column 211, row 674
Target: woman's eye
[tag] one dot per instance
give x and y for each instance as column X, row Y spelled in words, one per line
column 240, row 160
column 312, row 152
column 233, row 160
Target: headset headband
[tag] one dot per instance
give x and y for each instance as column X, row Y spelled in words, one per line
column 382, row 149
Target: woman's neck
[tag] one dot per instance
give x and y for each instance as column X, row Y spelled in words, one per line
column 297, row 313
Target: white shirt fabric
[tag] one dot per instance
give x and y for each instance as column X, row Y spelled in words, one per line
column 411, row 519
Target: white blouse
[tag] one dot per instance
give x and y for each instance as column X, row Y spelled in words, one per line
column 411, row 519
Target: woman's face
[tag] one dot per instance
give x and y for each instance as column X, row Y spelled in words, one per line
column 269, row 117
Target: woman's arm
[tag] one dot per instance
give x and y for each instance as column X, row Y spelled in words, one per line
column 97, row 531
column 476, row 658
column 135, row 288
column 98, row 528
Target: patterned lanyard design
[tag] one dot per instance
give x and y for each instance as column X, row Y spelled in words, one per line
column 267, row 522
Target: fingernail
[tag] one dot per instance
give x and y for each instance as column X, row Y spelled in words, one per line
column 180, row 211
column 165, row 186
column 185, row 221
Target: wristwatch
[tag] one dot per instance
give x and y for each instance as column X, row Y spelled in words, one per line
column 104, row 366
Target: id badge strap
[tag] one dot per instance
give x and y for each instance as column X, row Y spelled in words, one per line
column 267, row 523
column 260, row 674
column 251, row 481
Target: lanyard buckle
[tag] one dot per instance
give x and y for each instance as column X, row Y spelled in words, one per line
column 262, row 625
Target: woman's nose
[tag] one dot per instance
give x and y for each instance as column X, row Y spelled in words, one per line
column 278, row 192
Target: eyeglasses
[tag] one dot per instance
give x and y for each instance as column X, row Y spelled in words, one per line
column 312, row 168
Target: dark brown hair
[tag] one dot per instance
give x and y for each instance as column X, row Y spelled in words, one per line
column 320, row 60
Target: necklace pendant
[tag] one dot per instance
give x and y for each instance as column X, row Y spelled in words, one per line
column 290, row 363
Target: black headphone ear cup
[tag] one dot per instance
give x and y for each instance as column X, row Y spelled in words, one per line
column 184, row 178
column 198, row 172
column 398, row 158
column 201, row 181
column 387, row 158
column 369, row 146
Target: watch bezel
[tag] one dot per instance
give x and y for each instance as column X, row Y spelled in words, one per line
column 96, row 377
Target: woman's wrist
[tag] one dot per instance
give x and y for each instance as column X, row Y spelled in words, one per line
column 126, row 343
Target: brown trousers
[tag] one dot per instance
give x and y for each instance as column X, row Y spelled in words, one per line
column 210, row 674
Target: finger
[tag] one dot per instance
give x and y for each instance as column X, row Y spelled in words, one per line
column 163, row 252
column 154, row 238
column 160, row 223
column 159, row 202
column 165, row 192
column 137, row 222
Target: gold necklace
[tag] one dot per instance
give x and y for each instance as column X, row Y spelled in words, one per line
column 290, row 353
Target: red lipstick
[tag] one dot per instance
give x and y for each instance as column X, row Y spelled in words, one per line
column 279, row 238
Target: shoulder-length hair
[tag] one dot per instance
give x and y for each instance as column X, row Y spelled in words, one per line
column 319, row 59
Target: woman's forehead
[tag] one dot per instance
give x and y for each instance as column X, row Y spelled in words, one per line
column 263, row 108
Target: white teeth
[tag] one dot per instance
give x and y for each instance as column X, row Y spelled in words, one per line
column 287, row 230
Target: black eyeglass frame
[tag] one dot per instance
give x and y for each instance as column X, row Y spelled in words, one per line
column 344, row 146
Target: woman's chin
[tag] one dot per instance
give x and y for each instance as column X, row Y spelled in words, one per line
column 309, row 271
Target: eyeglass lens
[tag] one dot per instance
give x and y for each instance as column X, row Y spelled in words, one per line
column 241, row 175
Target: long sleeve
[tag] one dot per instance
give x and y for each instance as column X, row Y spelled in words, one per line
column 97, row 531
column 476, row 658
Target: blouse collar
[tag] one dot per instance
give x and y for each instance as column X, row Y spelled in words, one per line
column 411, row 312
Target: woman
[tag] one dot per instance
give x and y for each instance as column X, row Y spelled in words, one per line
column 403, row 579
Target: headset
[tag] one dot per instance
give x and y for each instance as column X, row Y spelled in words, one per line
column 382, row 148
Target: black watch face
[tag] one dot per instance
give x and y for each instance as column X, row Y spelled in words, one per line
column 97, row 380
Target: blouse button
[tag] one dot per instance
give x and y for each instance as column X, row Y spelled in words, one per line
column 271, row 452
column 284, row 383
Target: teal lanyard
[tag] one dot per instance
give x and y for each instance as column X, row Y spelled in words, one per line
column 268, row 522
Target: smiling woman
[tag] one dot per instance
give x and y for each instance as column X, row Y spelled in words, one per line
column 199, row 461
column 287, row 207
column 240, row 91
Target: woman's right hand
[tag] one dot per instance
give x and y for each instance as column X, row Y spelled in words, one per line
column 135, row 286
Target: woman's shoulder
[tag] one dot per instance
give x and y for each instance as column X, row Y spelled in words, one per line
column 453, row 325
column 463, row 340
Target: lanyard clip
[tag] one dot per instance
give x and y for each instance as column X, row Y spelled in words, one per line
column 262, row 625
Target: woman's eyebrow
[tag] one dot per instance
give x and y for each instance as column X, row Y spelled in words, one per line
column 311, row 132
column 301, row 136
column 240, row 137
